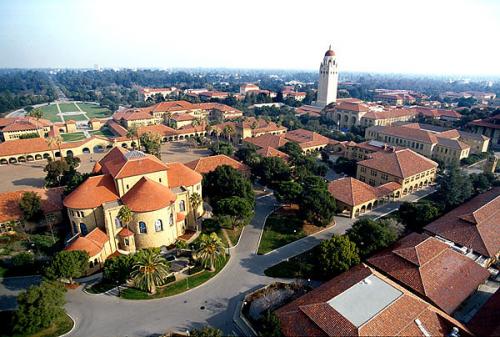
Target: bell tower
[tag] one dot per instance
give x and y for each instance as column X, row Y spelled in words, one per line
column 328, row 79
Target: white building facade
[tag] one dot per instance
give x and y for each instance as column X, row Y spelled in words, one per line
column 328, row 79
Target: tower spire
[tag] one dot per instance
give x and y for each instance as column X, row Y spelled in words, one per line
column 330, row 48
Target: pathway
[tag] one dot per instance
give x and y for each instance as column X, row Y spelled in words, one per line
column 60, row 112
column 214, row 302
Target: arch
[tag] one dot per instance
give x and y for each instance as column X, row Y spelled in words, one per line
column 12, row 160
column 353, row 120
column 30, row 158
column 142, row 227
column 62, row 130
column 338, row 117
column 182, row 205
column 125, row 145
column 57, row 154
column 158, row 225
column 38, row 157
column 397, row 195
column 181, row 137
column 421, row 184
column 86, row 150
column 363, row 209
column 170, row 138
column 109, row 146
column 165, row 139
column 357, row 212
column 83, row 229
column 98, row 149
column 369, row 207
column 118, row 222
column 69, row 153
column 405, row 191
column 91, row 264
column 46, row 155
column 21, row 159
column 346, row 118
column 410, row 189
column 4, row 161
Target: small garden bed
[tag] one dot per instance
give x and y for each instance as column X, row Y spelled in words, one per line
column 282, row 227
column 301, row 266
column 62, row 326
column 100, row 287
column 175, row 287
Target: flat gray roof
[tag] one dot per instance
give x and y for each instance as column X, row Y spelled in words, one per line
column 364, row 300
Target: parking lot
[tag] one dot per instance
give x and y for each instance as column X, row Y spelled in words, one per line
column 25, row 175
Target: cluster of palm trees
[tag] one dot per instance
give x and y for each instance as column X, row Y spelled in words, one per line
column 151, row 269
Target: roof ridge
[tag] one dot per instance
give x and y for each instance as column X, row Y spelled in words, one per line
column 413, row 320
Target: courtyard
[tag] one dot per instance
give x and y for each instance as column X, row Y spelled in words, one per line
column 61, row 112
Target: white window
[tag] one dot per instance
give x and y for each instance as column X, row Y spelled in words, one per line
column 182, row 206
column 118, row 223
column 159, row 225
column 171, row 219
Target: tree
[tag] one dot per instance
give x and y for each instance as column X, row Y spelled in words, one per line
column 270, row 325
column 53, row 142
column 39, row 307
column 455, row 187
column 248, row 154
column 150, row 270
column 69, row 264
column 55, row 171
column 117, row 269
column 288, row 192
column 238, row 210
column 228, row 131
column 343, row 165
column 371, row 235
column 337, row 255
column 482, row 182
column 418, row 214
column 211, row 250
column 225, row 181
column 316, row 204
column 31, row 205
column 293, row 150
column 36, row 113
column 152, row 143
column 195, row 201
column 125, row 215
column 206, row 331
column 272, row 169
column 132, row 133
column 222, row 148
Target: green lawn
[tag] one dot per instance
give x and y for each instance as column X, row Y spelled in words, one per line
column 176, row 287
column 62, row 326
column 300, row 266
column 105, row 132
column 68, row 107
column 80, row 117
column 72, row 137
column 282, row 227
column 50, row 112
column 100, row 287
column 94, row 110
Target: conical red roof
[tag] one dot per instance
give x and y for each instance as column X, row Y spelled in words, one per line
column 148, row 195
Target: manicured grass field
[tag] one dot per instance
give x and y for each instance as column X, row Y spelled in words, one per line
column 72, row 137
column 68, row 107
column 50, row 112
column 176, row 287
column 282, row 227
column 76, row 118
column 300, row 266
column 94, row 110
column 100, row 287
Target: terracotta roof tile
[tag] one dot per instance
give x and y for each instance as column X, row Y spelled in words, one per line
column 473, row 224
column 431, row 268
column 269, row 151
column 204, row 165
column 92, row 243
column 92, row 193
column 268, row 140
column 352, row 191
column 148, row 195
column 401, row 163
column 125, row 232
column 181, row 175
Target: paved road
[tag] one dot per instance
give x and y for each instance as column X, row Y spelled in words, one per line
column 213, row 303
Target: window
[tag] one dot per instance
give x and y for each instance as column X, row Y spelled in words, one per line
column 118, row 223
column 126, row 242
column 83, row 229
column 363, row 169
column 384, row 176
column 75, row 228
column 142, row 227
column 159, row 179
column 373, row 173
column 362, row 178
column 182, row 206
column 159, row 225
column 171, row 219
column 372, row 182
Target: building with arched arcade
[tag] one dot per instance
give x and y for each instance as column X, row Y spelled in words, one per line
column 157, row 194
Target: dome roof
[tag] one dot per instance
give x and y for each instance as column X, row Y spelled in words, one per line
column 148, row 195
column 330, row 52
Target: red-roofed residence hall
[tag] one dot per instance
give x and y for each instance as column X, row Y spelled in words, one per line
column 156, row 193
column 407, row 168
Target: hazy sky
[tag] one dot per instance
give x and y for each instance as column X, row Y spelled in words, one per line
column 409, row 36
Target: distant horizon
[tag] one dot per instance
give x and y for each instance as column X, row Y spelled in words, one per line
column 440, row 38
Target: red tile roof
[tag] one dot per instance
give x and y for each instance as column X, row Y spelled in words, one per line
column 432, row 269
column 116, row 128
column 181, row 175
column 9, row 202
column 269, row 151
column 351, row 191
column 473, row 224
column 263, row 141
column 92, row 193
column 406, row 133
column 125, row 232
column 204, row 165
column 389, row 113
column 306, row 138
column 160, row 129
column 132, row 114
column 92, row 243
column 401, row 163
column 486, row 322
column 148, row 195
column 312, row 315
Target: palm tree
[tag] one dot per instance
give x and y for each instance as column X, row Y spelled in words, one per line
column 36, row 113
column 59, row 142
column 228, row 131
column 168, row 117
column 132, row 133
column 150, row 270
column 51, row 142
column 125, row 215
column 208, row 129
column 195, row 201
column 211, row 250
